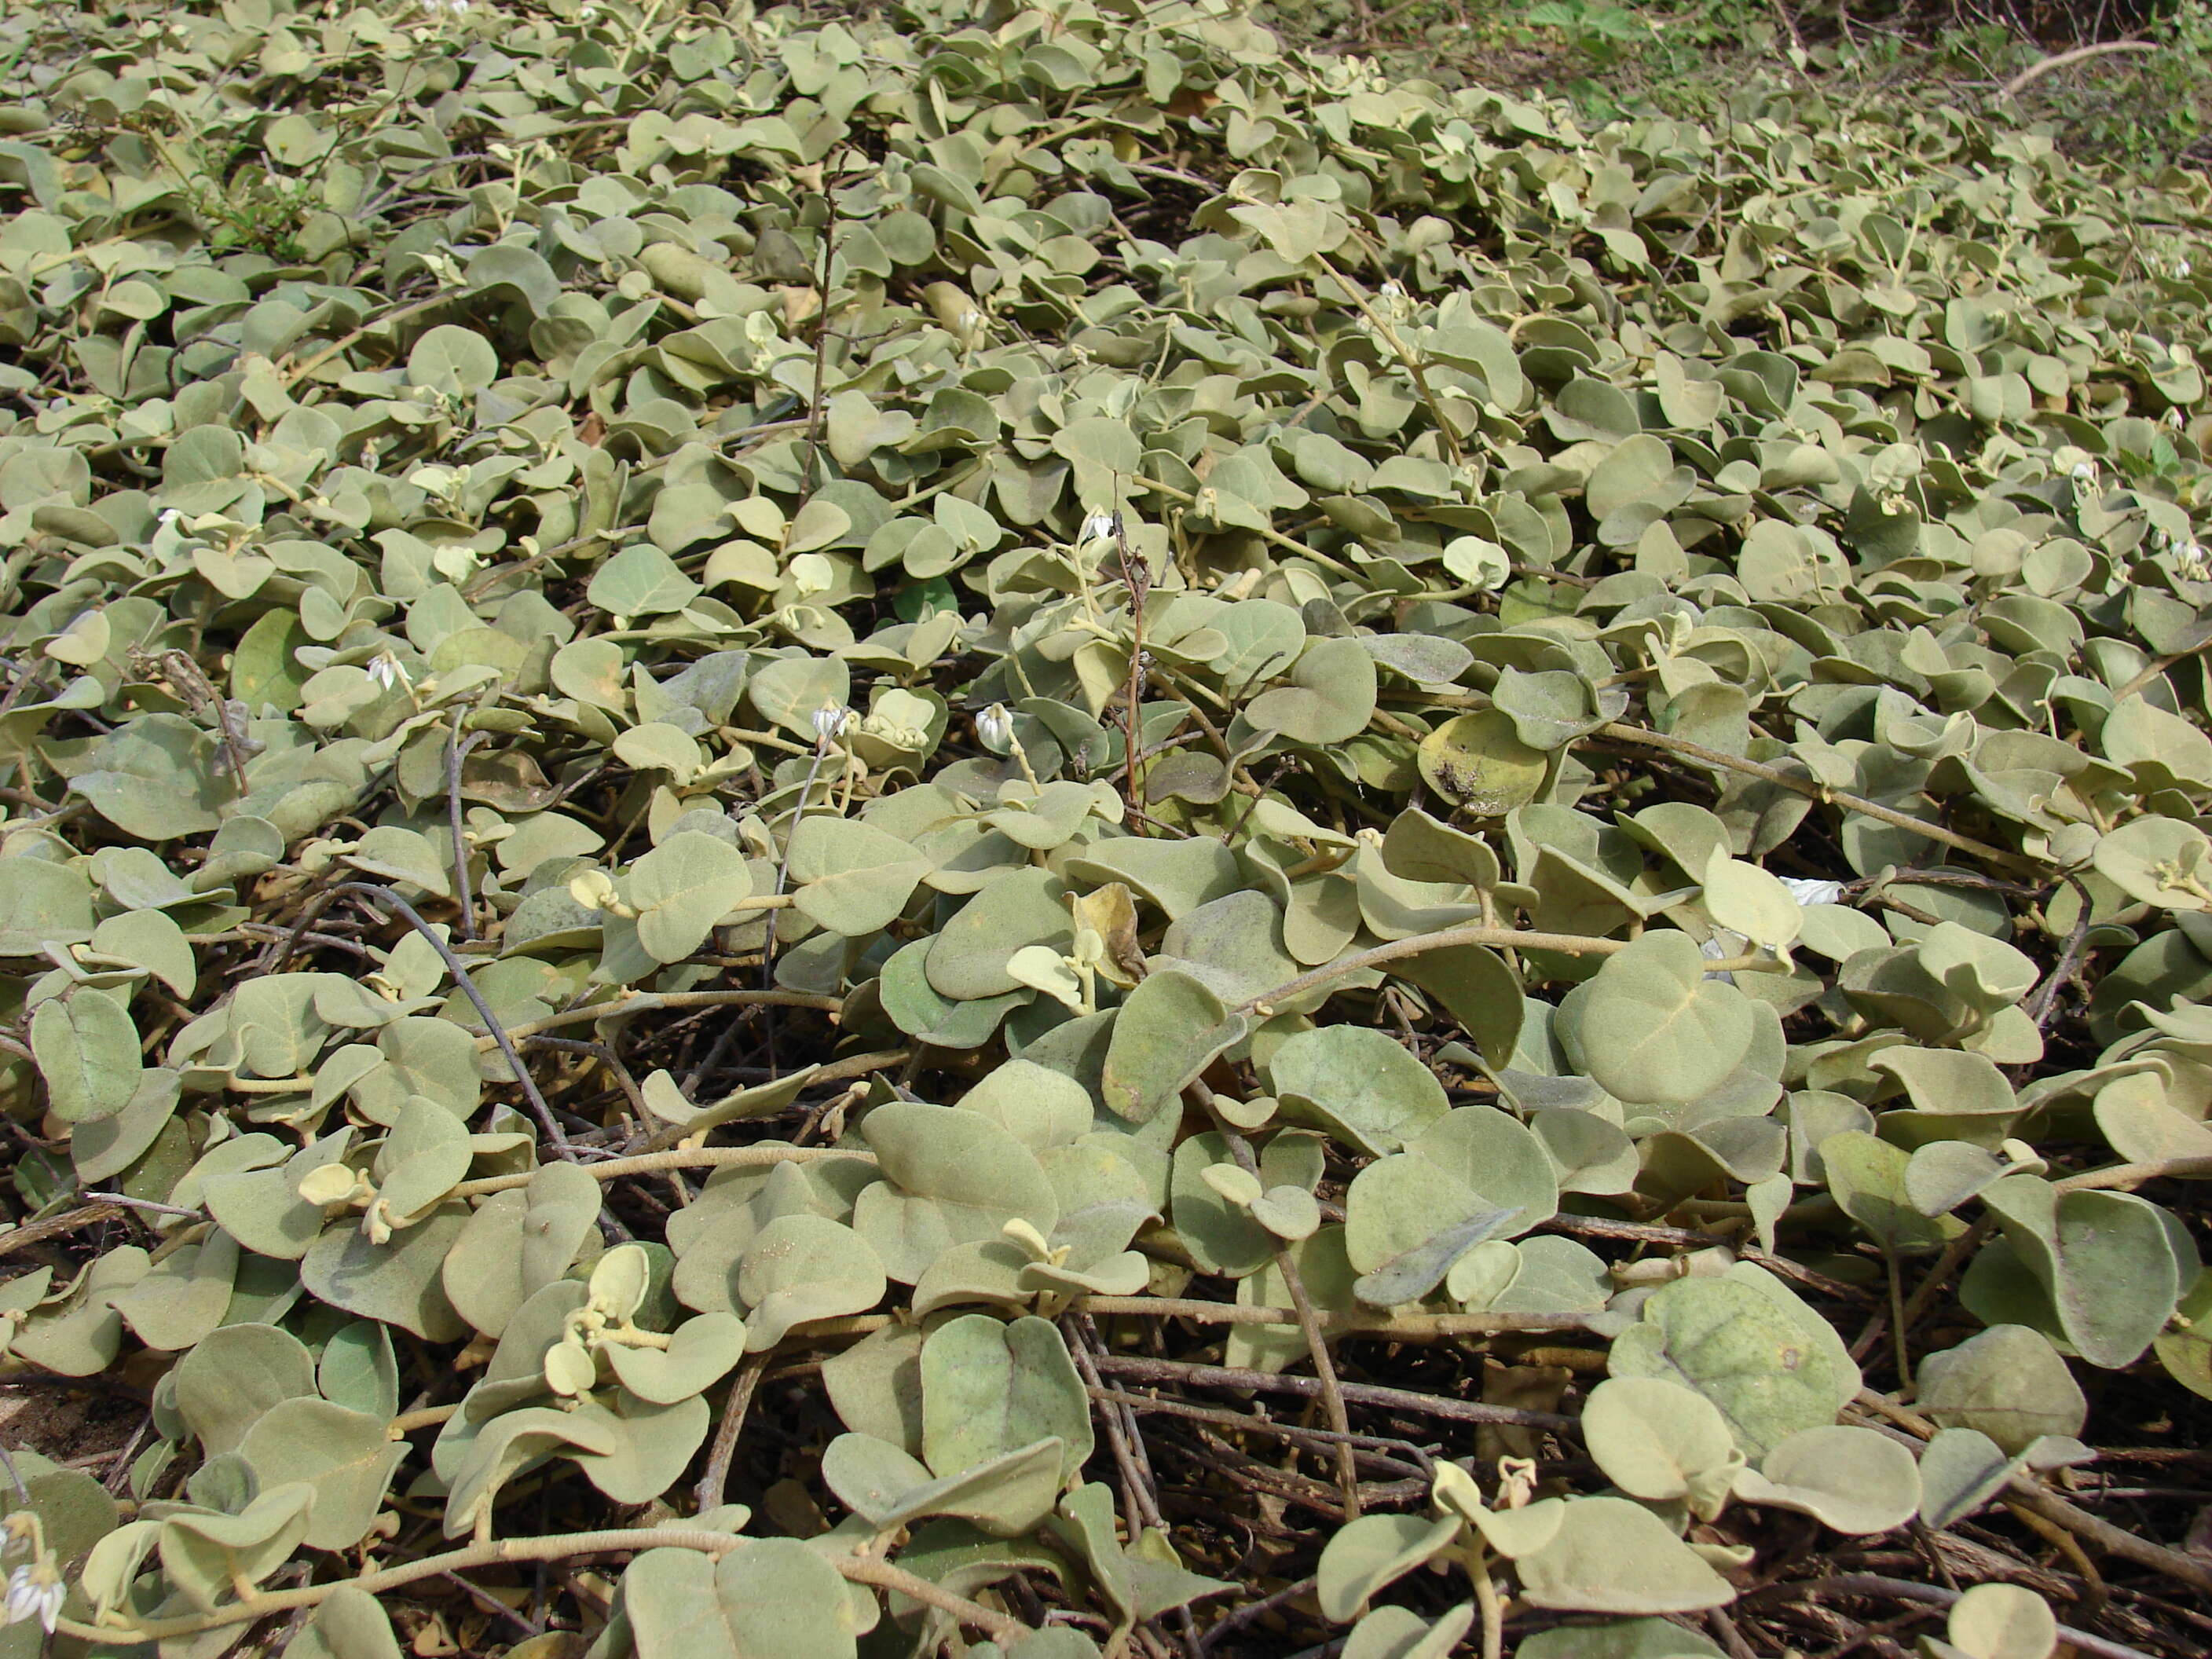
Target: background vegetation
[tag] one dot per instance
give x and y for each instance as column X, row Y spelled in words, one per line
column 2142, row 108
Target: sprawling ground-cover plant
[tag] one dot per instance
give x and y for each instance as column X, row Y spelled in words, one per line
column 600, row 604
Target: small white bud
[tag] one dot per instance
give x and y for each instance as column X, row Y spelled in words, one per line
column 1516, row 1482
column 330, row 1183
column 994, row 726
column 1808, row 892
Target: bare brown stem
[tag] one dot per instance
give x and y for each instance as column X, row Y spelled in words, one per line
column 1332, row 1395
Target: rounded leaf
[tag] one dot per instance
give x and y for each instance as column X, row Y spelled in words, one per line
column 1653, row 1027
column 1479, row 762
column 1614, row 1555
column 1373, row 1552
column 1660, row 1441
column 1856, row 1480
column 2002, row 1622
column 2158, row 860
column 1357, row 1082
column 990, row 1388
column 1734, row 1345
column 801, row 1267
column 345, row 1455
column 2009, row 1383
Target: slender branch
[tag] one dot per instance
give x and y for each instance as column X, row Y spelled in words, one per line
column 1001, row 1628
column 2046, row 997
column 429, row 1417
column 1119, row 1423
column 1575, row 945
column 1239, row 1423
column 1237, row 1618
column 2034, row 72
column 145, row 1204
column 291, row 377
column 538, row 1107
column 1811, row 790
column 882, row 1575
column 656, row 1002
column 1447, row 1407
column 1900, row 1329
column 1493, row 1609
column 491, row 1603
column 1955, row 1253
column 815, row 397
column 606, row 1057
column 1405, row 355
column 1274, row 536
column 33, row 1232
column 715, row 1482
column 783, row 871
column 456, row 752
column 612, row 1542
column 2129, row 1176
column 2102, row 1536
column 701, row 1157
column 1402, row 1327
column 839, row 1070
column 1332, row 1395
column 1137, row 576
column 1645, row 1233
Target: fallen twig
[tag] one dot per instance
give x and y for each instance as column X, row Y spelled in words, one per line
column 1445, row 1406
column 2034, row 72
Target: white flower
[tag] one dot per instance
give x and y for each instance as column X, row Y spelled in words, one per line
column 387, row 671
column 2084, row 472
column 35, row 1591
column 1808, row 891
column 830, row 720
column 996, row 726
column 1096, row 527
